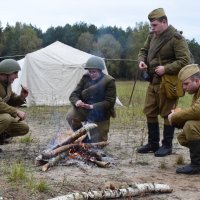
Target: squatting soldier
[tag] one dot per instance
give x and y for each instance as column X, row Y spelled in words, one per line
column 11, row 118
column 165, row 52
column 93, row 100
column 189, row 118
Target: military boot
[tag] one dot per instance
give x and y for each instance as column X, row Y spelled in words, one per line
column 166, row 148
column 153, row 139
column 4, row 138
column 194, row 166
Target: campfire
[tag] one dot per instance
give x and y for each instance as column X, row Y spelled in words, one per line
column 73, row 147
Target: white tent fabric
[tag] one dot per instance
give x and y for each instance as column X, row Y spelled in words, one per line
column 51, row 74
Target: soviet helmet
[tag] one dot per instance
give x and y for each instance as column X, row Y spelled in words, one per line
column 95, row 63
column 8, row 66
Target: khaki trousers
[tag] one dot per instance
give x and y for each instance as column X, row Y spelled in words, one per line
column 156, row 103
column 11, row 126
column 75, row 117
column 191, row 132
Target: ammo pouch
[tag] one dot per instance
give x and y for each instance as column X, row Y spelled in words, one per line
column 172, row 86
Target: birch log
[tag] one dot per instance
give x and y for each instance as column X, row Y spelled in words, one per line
column 134, row 190
column 53, row 161
column 80, row 132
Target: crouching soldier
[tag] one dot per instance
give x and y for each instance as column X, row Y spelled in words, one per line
column 93, row 100
column 11, row 118
column 189, row 119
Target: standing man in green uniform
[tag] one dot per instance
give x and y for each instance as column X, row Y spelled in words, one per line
column 189, row 118
column 11, row 118
column 93, row 100
column 164, row 52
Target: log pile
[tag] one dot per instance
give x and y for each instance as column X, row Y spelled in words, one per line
column 73, row 147
column 132, row 191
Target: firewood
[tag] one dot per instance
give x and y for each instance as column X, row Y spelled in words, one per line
column 52, row 162
column 69, row 148
column 80, row 139
column 84, row 151
column 63, row 148
column 80, row 132
column 131, row 191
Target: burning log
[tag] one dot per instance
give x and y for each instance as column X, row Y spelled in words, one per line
column 61, row 153
column 63, row 148
column 70, row 148
column 131, row 191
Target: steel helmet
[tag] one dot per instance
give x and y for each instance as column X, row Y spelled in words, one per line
column 8, row 66
column 95, row 63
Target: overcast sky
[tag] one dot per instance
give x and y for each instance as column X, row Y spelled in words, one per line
column 182, row 14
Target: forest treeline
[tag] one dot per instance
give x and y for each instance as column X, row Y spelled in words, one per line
column 118, row 46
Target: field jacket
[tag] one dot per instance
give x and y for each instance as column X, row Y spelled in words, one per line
column 8, row 100
column 169, row 49
column 192, row 113
column 100, row 93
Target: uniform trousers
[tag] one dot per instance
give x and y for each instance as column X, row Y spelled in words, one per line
column 191, row 132
column 11, row 126
column 77, row 116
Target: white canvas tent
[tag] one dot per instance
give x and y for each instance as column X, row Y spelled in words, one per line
column 51, row 74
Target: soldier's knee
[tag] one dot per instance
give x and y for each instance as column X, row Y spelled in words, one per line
column 6, row 119
column 24, row 130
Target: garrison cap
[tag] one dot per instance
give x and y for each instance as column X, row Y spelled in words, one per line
column 187, row 71
column 156, row 14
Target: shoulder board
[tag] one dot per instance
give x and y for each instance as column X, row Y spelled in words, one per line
column 178, row 35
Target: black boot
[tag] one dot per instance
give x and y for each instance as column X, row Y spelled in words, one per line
column 194, row 167
column 153, row 139
column 4, row 138
column 166, row 148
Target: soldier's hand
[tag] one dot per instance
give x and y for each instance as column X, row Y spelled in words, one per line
column 142, row 66
column 21, row 115
column 79, row 103
column 160, row 70
column 24, row 92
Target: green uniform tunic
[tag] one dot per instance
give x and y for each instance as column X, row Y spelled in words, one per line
column 170, row 50
column 9, row 124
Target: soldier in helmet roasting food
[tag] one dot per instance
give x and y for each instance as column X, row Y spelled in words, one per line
column 11, row 118
column 93, row 100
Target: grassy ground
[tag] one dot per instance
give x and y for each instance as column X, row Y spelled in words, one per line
column 21, row 180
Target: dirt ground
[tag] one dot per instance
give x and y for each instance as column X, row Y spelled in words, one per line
column 127, row 167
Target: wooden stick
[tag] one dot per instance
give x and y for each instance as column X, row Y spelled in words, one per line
column 134, row 190
column 82, row 131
